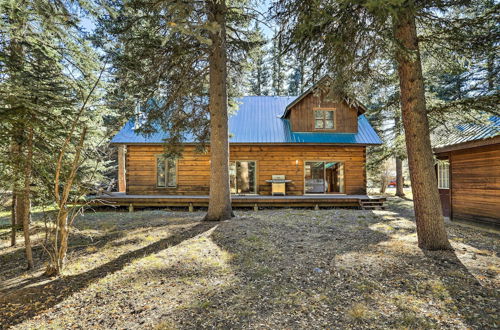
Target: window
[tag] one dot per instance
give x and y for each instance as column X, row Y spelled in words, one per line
column 324, row 119
column 166, row 172
column 443, row 171
column 242, row 177
column 323, row 177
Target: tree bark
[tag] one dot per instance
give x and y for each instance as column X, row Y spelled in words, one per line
column 383, row 183
column 25, row 198
column 219, row 206
column 13, row 222
column 431, row 231
column 399, row 178
column 63, row 233
column 16, row 162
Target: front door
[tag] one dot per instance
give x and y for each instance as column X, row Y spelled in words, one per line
column 323, row 177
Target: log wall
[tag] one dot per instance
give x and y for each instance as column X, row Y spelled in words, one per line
column 193, row 170
column 475, row 183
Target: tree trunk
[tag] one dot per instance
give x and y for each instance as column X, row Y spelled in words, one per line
column 62, row 220
column 16, row 163
column 383, row 183
column 399, row 178
column 219, row 206
column 429, row 219
column 25, row 198
column 13, row 222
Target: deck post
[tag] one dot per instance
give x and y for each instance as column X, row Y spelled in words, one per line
column 191, row 209
column 316, row 207
column 122, row 158
column 255, row 207
column 131, row 207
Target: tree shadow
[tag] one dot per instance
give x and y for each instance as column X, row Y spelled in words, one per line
column 44, row 296
column 274, row 267
column 278, row 276
column 464, row 289
column 13, row 270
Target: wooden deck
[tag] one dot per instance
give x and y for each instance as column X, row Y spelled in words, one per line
column 122, row 199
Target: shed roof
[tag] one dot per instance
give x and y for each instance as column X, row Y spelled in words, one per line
column 259, row 120
column 471, row 132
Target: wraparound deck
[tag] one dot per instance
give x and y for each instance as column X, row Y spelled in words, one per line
column 190, row 201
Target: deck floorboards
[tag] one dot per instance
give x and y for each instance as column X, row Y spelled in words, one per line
column 123, row 199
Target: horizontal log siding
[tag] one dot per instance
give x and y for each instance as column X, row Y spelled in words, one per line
column 302, row 115
column 476, row 183
column 194, row 169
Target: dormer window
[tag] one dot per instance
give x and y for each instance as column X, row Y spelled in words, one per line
column 324, row 119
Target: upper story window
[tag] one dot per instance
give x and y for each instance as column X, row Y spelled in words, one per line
column 166, row 172
column 324, row 119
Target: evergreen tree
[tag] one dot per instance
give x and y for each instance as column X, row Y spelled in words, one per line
column 175, row 59
column 45, row 65
column 259, row 66
column 278, row 66
column 349, row 36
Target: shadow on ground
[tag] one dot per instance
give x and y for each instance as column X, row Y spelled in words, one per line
column 48, row 293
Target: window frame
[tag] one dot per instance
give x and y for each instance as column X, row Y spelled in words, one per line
column 443, row 174
column 324, row 119
column 166, row 164
column 344, row 183
column 256, row 175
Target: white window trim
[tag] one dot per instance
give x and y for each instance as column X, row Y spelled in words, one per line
column 443, row 174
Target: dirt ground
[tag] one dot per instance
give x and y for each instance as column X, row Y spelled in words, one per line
column 282, row 268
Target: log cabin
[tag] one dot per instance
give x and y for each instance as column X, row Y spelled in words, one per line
column 310, row 145
column 468, row 172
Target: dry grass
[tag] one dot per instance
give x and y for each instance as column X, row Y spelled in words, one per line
column 268, row 269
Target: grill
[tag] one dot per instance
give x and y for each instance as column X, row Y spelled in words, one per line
column 278, row 185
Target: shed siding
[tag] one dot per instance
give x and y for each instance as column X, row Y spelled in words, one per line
column 475, row 176
column 302, row 115
column 193, row 169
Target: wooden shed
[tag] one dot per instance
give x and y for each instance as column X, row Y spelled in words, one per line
column 468, row 171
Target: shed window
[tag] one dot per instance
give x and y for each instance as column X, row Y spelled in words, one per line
column 443, row 171
column 324, row 119
column 166, row 172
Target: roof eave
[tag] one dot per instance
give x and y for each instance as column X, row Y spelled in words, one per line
column 467, row 144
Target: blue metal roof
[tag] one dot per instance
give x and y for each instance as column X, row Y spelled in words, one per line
column 258, row 120
column 472, row 132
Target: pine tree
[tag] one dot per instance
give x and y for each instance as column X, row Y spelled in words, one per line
column 45, row 66
column 278, row 66
column 349, row 37
column 166, row 54
column 259, row 66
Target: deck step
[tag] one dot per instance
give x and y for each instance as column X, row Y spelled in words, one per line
column 372, row 204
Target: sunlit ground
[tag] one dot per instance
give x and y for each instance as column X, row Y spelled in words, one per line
column 283, row 268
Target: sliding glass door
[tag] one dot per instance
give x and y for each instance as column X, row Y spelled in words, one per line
column 242, row 177
column 323, row 177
